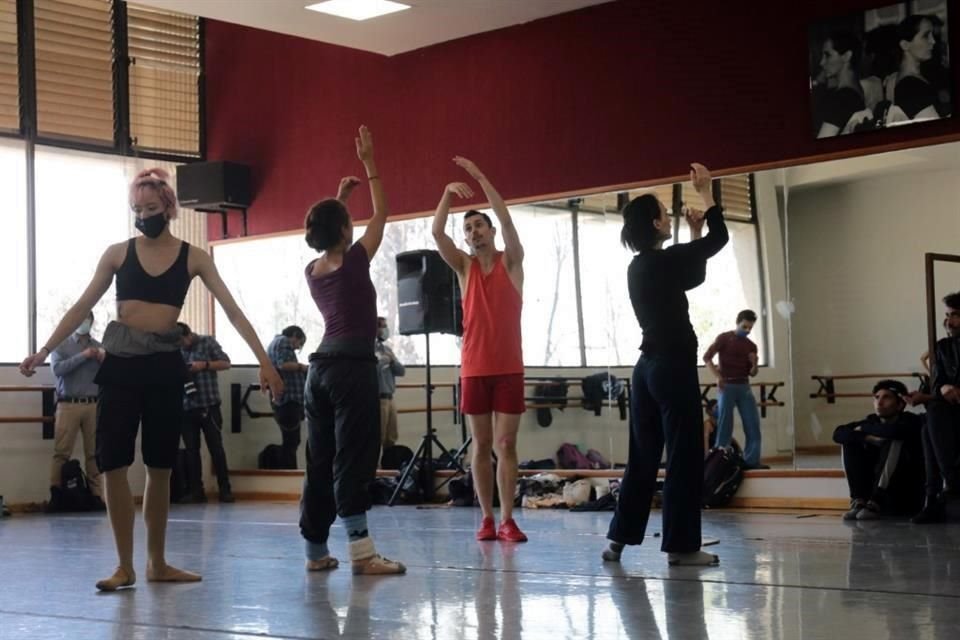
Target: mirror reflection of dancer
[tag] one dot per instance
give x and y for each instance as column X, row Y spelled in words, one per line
column 665, row 394
column 142, row 376
column 492, row 356
column 341, row 399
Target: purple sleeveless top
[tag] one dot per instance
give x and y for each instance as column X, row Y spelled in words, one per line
column 346, row 297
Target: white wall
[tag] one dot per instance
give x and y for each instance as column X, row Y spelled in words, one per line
column 24, row 455
column 857, row 277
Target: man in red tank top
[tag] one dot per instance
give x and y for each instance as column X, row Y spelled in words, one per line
column 492, row 357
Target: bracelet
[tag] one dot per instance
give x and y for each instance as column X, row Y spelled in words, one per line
column 207, row 368
column 373, row 177
column 45, row 348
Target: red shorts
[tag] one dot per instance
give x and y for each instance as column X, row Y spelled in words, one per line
column 488, row 394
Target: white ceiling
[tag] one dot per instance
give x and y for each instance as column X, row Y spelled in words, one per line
column 427, row 22
column 933, row 158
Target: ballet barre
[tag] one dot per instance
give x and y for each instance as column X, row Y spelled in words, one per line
column 768, row 394
column 240, row 403
column 828, row 391
column 48, row 407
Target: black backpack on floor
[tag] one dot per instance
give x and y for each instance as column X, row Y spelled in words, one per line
column 75, row 494
column 271, row 457
column 722, row 476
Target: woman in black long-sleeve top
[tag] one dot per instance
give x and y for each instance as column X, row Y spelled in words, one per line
column 665, row 405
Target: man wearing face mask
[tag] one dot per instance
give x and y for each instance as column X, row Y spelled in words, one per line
column 388, row 368
column 75, row 364
column 738, row 363
column 288, row 406
column 201, row 407
column 882, row 456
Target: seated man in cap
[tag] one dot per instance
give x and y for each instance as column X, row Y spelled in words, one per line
column 883, row 456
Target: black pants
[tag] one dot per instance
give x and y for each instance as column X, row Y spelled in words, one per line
column 342, row 408
column 288, row 417
column 142, row 391
column 888, row 474
column 940, row 452
column 209, row 421
column 665, row 409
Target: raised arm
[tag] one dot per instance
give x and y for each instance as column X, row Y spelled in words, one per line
column 269, row 378
column 102, row 278
column 373, row 236
column 457, row 259
column 717, row 235
column 512, row 247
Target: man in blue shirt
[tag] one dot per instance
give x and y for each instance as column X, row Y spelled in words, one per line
column 201, row 404
column 288, row 407
column 75, row 364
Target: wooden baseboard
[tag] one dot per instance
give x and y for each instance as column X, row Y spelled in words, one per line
column 266, row 496
column 822, row 504
column 820, row 449
column 826, row 504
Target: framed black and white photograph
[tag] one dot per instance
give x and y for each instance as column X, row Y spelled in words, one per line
column 880, row 68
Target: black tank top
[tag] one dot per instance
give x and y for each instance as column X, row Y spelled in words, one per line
column 170, row 287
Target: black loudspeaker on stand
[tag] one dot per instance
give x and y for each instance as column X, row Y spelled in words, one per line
column 428, row 296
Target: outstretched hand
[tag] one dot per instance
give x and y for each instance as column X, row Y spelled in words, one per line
column 469, row 167
column 30, row 363
column 694, row 218
column 459, row 189
column 701, row 178
column 364, row 144
column 347, row 185
column 271, row 381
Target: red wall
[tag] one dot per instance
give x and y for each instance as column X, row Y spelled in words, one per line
column 616, row 93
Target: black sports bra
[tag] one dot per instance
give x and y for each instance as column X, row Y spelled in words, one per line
column 170, row 287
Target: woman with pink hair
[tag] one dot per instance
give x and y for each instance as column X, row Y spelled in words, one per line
column 142, row 375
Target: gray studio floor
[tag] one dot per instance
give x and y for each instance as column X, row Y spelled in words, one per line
column 782, row 576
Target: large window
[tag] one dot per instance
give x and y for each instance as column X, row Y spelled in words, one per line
column 278, row 296
column 82, row 208
column 75, row 52
column 14, row 345
column 611, row 334
column 551, row 322
column 9, row 74
column 732, row 285
column 164, row 72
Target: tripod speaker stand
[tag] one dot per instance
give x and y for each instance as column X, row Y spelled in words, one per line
column 429, row 302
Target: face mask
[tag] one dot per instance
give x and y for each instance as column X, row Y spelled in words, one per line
column 383, row 334
column 84, row 328
column 153, row 226
column 741, row 333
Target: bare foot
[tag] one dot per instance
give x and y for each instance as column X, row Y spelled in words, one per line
column 166, row 573
column 323, row 564
column 121, row 578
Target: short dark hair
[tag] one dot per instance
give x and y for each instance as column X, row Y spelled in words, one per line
column 474, row 212
column 893, row 386
column 324, row 224
column 844, row 41
column 638, row 233
column 910, row 26
column 952, row 300
column 184, row 328
column 748, row 315
column 293, row 331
